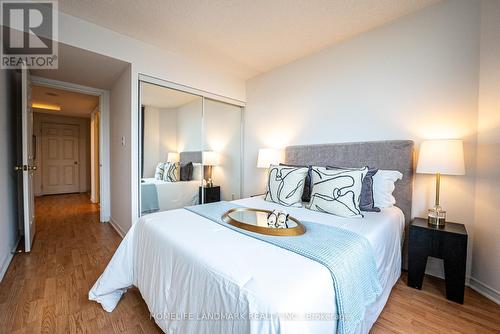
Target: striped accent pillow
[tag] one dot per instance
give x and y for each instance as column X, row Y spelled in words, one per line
column 160, row 169
column 171, row 172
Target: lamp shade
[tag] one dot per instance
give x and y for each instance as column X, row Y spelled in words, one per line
column 210, row 158
column 268, row 157
column 173, row 157
column 444, row 156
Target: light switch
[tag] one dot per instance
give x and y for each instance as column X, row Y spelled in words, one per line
column 123, row 141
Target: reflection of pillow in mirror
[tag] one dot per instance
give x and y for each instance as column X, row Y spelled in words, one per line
column 197, row 171
column 172, row 172
column 160, row 169
column 186, row 171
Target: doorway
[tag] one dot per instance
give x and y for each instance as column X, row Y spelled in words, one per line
column 57, row 124
column 77, row 165
column 60, row 169
column 62, row 140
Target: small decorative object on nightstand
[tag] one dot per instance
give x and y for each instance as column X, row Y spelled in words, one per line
column 210, row 194
column 443, row 156
column 448, row 243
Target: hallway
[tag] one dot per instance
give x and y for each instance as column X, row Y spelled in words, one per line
column 46, row 291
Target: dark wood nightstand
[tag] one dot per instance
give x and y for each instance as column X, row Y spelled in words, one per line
column 210, row 194
column 448, row 243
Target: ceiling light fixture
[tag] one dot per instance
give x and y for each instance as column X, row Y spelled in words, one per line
column 46, row 106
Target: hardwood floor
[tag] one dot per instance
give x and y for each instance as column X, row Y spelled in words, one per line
column 46, row 291
column 409, row 310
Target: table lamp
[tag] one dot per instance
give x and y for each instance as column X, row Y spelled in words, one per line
column 173, row 157
column 209, row 159
column 443, row 156
column 268, row 157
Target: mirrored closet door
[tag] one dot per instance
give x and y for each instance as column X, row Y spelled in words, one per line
column 190, row 149
column 171, row 148
column 222, row 144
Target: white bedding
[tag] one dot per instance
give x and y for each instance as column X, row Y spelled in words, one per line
column 188, row 267
column 175, row 195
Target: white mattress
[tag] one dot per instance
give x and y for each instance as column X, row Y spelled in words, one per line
column 188, row 267
column 175, row 195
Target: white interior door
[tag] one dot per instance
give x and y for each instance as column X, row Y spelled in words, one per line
column 27, row 157
column 60, row 151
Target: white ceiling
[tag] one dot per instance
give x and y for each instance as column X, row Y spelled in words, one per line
column 161, row 97
column 71, row 103
column 247, row 37
column 83, row 67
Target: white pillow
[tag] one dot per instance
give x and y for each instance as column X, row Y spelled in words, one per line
column 160, row 168
column 171, row 172
column 197, row 171
column 337, row 191
column 285, row 185
column 383, row 186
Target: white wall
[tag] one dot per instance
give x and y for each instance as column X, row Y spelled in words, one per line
column 486, row 246
column 151, row 140
column 168, row 132
column 222, row 134
column 160, row 137
column 415, row 78
column 8, row 201
column 83, row 147
column 122, row 209
column 189, row 126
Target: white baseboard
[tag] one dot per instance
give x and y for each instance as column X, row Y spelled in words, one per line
column 117, row 228
column 5, row 265
column 484, row 290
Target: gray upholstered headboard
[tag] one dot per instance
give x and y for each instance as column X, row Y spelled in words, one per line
column 193, row 156
column 389, row 154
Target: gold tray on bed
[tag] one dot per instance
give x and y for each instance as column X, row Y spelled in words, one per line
column 255, row 220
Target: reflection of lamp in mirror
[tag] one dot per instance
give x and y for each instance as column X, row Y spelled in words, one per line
column 209, row 159
column 445, row 156
column 173, row 157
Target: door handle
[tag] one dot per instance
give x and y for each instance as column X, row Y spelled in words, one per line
column 32, row 167
column 18, row 168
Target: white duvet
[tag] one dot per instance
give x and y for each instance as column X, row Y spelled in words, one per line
column 197, row 276
column 174, row 195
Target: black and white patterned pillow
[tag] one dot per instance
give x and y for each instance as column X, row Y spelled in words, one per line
column 285, row 185
column 337, row 191
column 366, row 200
column 160, row 169
column 172, row 172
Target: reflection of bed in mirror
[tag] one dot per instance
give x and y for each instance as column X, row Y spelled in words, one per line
column 159, row 195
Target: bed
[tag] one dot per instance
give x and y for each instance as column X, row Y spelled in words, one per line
column 170, row 195
column 192, row 271
column 159, row 195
